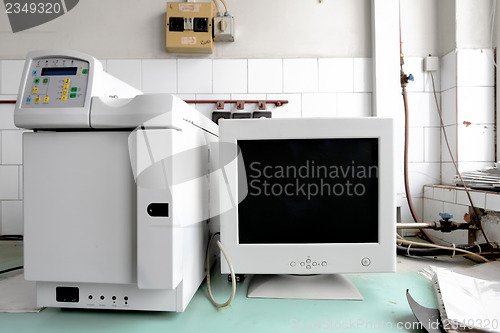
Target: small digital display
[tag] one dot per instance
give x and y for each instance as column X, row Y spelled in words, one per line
column 59, row 71
column 309, row 191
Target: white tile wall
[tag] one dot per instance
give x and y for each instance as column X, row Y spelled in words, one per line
column 448, row 70
column 432, row 209
column 194, row 76
column 449, row 106
column 422, row 110
column 12, row 147
column 189, row 97
column 336, row 75
column 416, row 144
column 445, row 194
column 319, row 105
column 448, row 173
column 7, row 116
column 363, row 75
column 418, row 206
column 421, row 174
column 432, row 144
column 230, row 76
column 127, row 70
column 11, row 72
column 476, row 143
column 265, row 75
column 428, row 82
column 428, row 192
column 476, row 105
column 354, row 104
column 293, row 109
column 159, row 76
column 475, row 68
column 478, row 198
column 9, row 178
column 300, row 75
column 451, row 134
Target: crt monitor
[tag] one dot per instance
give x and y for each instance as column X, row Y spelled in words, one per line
column 313, row 197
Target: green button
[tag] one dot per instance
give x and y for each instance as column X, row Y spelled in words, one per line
column 74, row 89
column 72, row 95
column 85, row 71
column 37, row 80
column 45, row 80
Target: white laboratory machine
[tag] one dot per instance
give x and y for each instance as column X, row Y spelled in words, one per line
column 116, row 188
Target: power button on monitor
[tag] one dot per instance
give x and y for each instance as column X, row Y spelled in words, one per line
column 365, row 262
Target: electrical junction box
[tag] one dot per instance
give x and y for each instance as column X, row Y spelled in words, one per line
column 431, row 64
column 224, row 29
column 189, row 27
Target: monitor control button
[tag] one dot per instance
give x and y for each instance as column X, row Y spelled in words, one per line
column 323, row 263
column 302, row 264
column 308, row 261
column 293, row 264
column 365, row 262
column 315, row 263
column 308, row 266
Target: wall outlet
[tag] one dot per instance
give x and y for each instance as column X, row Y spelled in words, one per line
column 431, row 64
column 223, row 29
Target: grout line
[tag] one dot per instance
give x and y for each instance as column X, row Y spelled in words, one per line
column 212, row 88
column 283, row 76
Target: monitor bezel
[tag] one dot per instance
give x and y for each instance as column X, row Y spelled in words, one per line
column 311, row 258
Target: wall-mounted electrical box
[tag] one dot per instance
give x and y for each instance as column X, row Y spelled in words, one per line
column 431, row 64
column 224, row 29
column 189, row 27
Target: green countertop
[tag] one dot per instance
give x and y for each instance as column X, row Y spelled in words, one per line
column 383, row 307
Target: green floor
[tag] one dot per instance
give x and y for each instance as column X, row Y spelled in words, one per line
column 384, row 306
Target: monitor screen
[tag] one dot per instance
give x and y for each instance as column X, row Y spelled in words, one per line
column 59, row 71
column 309, row 191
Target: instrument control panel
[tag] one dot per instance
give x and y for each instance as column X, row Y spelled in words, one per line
column 56, row 82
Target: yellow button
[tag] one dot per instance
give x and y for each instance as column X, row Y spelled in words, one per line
column 37, row 99
column 64, row 92
column 66, row 86
column 79, row 74
column 67, row 80
column 35, row 90
column 45, row 99
column 64, row 98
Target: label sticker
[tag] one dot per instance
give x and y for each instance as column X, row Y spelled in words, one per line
column 188, row 40
column 189, row 7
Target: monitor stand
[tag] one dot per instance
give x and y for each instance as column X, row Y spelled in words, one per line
column 329, row 286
